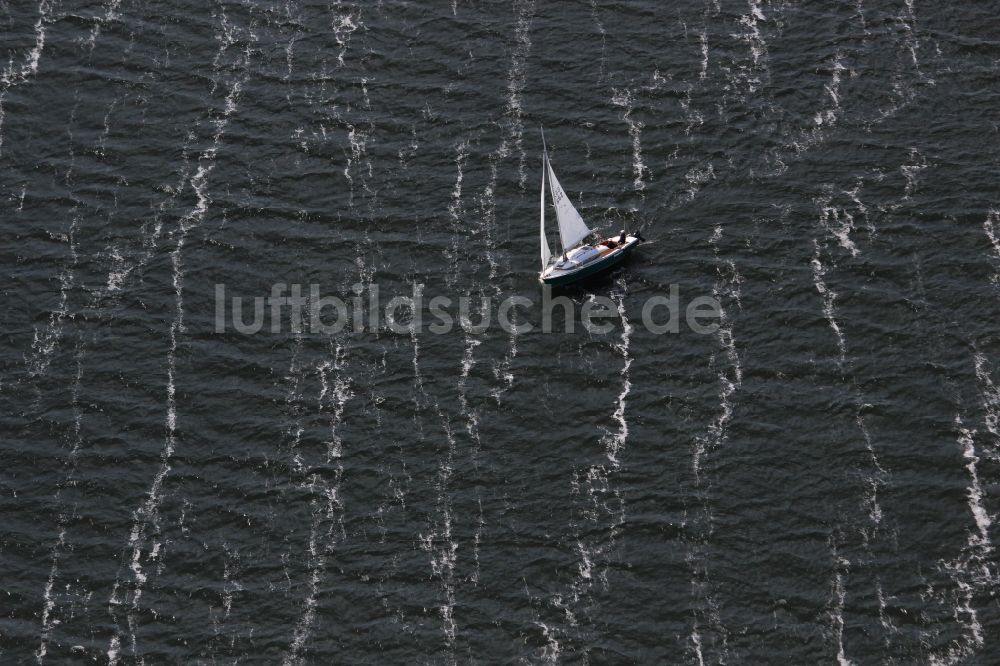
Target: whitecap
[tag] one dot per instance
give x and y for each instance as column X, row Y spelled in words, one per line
column 829, row 300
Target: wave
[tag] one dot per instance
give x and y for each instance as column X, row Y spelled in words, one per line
column 326, row 505
column 602, row 515
column 614, row 442
column 973, row 570
column 730, row 374
column 16, row 75
column 707, row 629
column 516, row 81
column 49, row 621
column 146, row 516
column 991, row 225
column 829, row 301
column 838, row 222
column 838, row 593
column 625, row 99
column 440, row 545
column 989, row 396
column 110, row 14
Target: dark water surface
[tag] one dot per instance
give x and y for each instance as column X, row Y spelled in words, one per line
column 816, row 482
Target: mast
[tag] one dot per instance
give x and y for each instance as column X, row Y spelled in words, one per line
column 546, row 253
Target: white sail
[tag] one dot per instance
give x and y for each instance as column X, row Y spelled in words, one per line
column 546, row 253
column 572, row 228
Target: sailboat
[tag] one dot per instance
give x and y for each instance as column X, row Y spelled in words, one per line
column 579, row 259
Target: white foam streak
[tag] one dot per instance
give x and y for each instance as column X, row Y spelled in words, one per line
column 747, row 76
column 707, row 608
column 516, row 80
column 45, row 340
column 338, row 394
column 726, row 292
column 344, row 23
column 114, row 650
column 321, row 543
column 696, row 643
column 146, row 517
column 829, row 299
column 606, row 517
column 989, row 395
column 911, row 172
column 756, row 43
column 604, row 38
column 982, row 519
column 327, row 507
column 839, row 223
column 703, row 45
column 971, row 570
column 832, row 89
column 838, row 594
column 512, row 136
column 121, row 268
column 487, row 206
column 551, row 651
column 35, row 54
column 730, row 373
column 912, row 42
column 991, row 225
column 110, row 14
column 456, row 211
column 875, row 480
column 468, row 362
column 441, row 546
column 828, row 116
column 455, row 207
column 824, row 119
column 614, row 442
column 49, row 605
column 12, row 75
column 229, row 586
column 624, row 99
column 604, row 511
column 696, row 178
column 883, row 616
column 357, row 140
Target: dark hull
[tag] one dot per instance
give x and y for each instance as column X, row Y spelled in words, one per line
column 593, row 268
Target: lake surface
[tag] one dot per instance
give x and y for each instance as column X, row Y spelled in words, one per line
column 816, row 481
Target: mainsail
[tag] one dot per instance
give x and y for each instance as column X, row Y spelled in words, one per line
column 546, row 253
column 572, row 228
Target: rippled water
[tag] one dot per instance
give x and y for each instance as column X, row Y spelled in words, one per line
column 815, row 482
